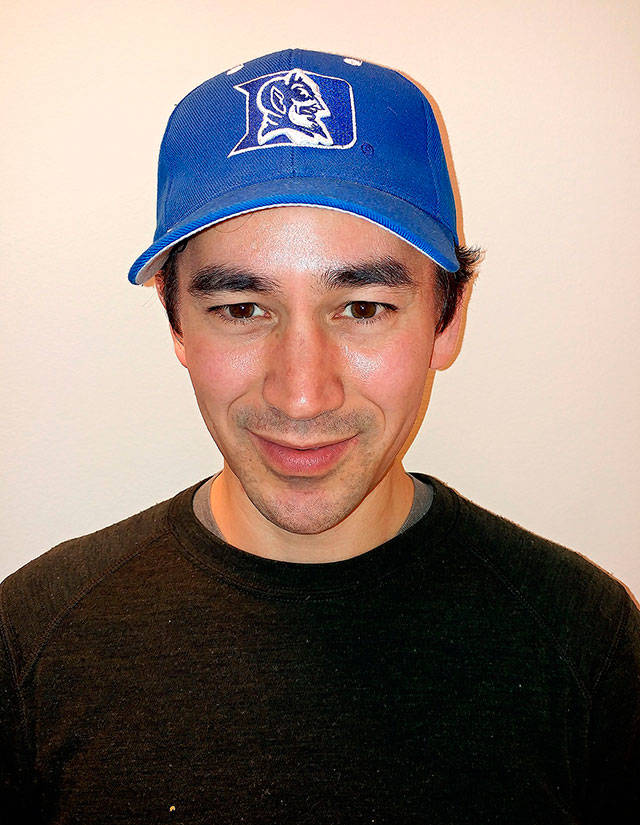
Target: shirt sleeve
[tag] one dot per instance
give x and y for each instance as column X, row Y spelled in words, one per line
column 15, row 782
column 613, row 793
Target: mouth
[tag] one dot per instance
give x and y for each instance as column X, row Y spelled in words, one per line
column 302, row 460
column 318, row 446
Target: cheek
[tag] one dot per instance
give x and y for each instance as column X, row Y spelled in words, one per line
column 393, row 375
column 219, row 371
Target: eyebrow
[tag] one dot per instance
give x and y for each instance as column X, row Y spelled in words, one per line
column 386, row 272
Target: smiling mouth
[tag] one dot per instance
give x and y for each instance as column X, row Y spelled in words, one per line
column 318, row 446
column 306, row 460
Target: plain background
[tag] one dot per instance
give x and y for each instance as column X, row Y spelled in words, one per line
column 538, row 418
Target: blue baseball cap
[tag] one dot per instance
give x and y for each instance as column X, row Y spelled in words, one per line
column 301, row 127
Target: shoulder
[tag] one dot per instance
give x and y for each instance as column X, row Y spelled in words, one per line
column 34, row 597
column 524, row 557
column 518, row 555
column 577, row 606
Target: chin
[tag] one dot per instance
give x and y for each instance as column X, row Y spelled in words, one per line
column 310, row 518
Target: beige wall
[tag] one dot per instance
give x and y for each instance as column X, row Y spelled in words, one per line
column 538, row 418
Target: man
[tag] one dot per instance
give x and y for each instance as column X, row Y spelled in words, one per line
column 314, row 635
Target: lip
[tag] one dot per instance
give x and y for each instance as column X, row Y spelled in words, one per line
column 302, row 461
column 299, row 446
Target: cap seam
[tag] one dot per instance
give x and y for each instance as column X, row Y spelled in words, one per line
column 427, row 123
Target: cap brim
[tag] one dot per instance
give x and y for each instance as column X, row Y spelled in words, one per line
column 413, row 225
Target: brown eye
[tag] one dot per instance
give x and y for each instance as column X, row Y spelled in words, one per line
column 241, row 311
column 238, row 313
column 363, row 309
column 365, row 312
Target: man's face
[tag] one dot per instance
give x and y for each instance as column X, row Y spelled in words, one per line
column 321, row 357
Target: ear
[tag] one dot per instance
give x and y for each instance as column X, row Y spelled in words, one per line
column 445, row 345
column 178, row 344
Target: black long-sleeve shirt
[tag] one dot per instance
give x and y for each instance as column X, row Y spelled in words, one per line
column 466, row 671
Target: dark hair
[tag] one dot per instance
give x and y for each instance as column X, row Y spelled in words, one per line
column 169, row 276
column 448, row 287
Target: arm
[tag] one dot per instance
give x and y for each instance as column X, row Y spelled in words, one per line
column 613, row 792
column 15, row 780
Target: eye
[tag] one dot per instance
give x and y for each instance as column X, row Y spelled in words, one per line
column 238, row 313
column 364, row 312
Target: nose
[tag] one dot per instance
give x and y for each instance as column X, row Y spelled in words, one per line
column 303, row 372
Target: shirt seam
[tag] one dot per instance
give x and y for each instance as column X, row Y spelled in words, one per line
column 280, row 594
column 82, row 594
column 622, row 623
column 4, row 625
column 515, row 591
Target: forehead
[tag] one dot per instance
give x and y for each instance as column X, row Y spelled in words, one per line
column 288, row 242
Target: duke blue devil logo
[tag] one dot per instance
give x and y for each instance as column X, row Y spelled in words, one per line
column 297, row 108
